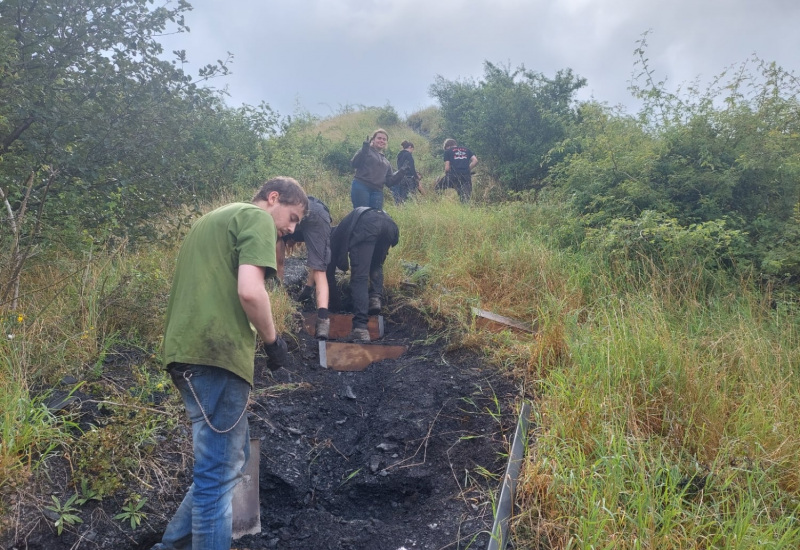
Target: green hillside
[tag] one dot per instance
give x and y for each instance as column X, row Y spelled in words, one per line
column 657, row 253
column 665, row 395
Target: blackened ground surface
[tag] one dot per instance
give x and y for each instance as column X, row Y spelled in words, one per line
column 406, row 454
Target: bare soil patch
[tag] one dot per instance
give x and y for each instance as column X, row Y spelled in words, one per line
column 404, row 455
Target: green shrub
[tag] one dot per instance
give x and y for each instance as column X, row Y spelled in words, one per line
column 655, row 237
column 387, row 116
column 337, row 156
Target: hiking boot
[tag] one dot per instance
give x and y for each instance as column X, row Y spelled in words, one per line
column 360, row 336
column 322, row 329
column 374, row 305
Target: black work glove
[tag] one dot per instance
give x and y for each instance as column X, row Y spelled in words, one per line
column 277, row 354
column 365, row 145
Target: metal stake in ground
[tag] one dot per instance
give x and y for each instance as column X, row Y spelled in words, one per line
column 506, row 502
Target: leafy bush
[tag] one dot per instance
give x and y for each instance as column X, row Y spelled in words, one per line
column 337, row 156
column 111, row 141
column 655, row 237
column 387, row 116
column 727, row 155
column 512, row 120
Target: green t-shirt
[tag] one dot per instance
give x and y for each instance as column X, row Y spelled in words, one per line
column 206, row 324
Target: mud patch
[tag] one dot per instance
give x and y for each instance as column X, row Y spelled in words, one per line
column 405, row 454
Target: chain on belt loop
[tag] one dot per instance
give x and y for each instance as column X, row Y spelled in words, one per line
column 186, row 376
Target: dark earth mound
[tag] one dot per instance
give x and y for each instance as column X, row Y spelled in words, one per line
column 407, row 454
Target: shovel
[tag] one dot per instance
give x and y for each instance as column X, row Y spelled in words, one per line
column 246, row 503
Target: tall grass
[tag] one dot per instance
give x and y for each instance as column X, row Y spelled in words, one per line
column 667, row 394
column 492, row 259
column 673, row 425
column 29, row 432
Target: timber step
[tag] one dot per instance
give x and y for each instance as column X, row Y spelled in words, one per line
column 344, row 356
column 342, row 324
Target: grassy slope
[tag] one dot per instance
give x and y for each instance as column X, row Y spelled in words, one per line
column 645, row 385
column 668, row 401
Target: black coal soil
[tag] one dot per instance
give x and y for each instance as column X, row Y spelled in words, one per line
column 406, row 454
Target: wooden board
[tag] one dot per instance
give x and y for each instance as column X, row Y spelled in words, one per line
column 497, row 323
column 343, row 356
column 341, row 325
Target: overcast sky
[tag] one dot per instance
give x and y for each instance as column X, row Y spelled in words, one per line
column 322, row 55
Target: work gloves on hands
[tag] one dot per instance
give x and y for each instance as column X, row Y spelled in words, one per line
column 277, row 354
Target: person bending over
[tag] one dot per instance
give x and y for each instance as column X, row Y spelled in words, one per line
column 360, row 243
column 315, row 231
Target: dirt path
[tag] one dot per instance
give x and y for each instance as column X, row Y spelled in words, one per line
column 404, row 455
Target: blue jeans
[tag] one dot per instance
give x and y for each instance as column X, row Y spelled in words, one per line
column 363, row 195
column 204, row 520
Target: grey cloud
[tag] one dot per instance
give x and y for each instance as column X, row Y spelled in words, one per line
column 328, row 53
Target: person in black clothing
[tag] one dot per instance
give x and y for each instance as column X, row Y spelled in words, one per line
column 458, row 164
column 411, row 178
column 363, row 237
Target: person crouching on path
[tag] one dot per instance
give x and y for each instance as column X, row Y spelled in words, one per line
column 364, row 236
column 373, row 171
column 217, row 306
column 458, row 164
column 315, row 231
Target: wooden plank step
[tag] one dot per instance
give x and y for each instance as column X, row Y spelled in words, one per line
column 497, row 323
column 343, row 356
column 341, row 325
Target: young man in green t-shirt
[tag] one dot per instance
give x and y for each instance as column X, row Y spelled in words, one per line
column 218, row 304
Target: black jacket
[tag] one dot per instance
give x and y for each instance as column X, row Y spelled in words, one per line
column 347, row 232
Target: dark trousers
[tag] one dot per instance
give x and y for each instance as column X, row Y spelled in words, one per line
column 366, row 278
column 367, row 248
column 402, row 190
column 460, row 181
